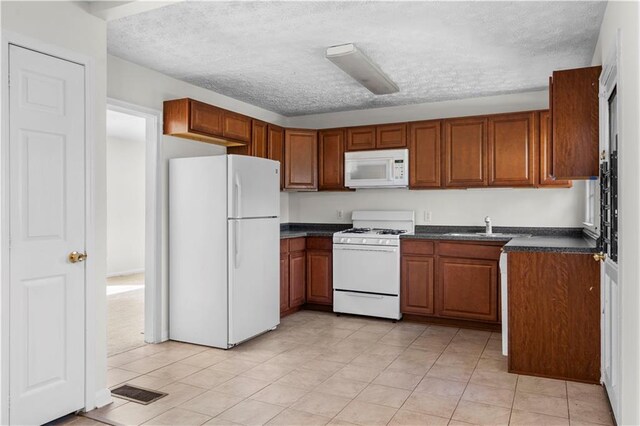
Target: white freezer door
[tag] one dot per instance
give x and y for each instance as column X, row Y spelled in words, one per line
column 254, row 187
column 254, row 277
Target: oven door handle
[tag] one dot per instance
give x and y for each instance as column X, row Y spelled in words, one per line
column 367, row 248
column 366, row 296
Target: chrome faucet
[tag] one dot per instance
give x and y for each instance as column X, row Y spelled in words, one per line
column 487, row 225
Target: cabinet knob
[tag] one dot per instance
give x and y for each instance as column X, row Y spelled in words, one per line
column 599, row 257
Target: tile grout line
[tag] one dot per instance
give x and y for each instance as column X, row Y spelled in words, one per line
column 469, row 379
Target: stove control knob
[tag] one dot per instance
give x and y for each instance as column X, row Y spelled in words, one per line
column 364, row 240
column 342, row 240
column 388, row 242
column 348, row 240
column 380, row 241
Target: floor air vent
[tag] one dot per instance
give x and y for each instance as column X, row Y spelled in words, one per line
column 136, row 394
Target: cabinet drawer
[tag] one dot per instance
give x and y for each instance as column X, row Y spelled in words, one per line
column 284, row 245
column 417, row 247
column 319, row 243
column 470, row 250
column 297, row 244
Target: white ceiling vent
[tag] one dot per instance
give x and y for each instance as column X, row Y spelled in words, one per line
column 355, row 63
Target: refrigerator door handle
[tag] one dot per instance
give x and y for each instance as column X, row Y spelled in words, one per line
column 238, row 199
column 236, row 250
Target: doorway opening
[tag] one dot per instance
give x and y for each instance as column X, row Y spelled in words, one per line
column 132, row 152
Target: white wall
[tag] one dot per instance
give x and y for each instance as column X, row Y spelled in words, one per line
column 625, row 17
column 141, row 86
column 67, row 25
column 507, row 207
column 125, row 195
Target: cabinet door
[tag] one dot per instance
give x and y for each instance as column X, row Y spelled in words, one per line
column 424, row 154
column 319, row 277
column 284, row 282
column 391, row 136
column 545, row 155
column 205, row 118
column 275, row 148
column 361, row 138
column 236, row 126
column 511, row 140
column 331, row 160
column 297, row 278
column 301, row 159
column 574, row 123
column 259, row 146
column 465, row 152
column 417, row 284
column 468, row 288
column 554, row 315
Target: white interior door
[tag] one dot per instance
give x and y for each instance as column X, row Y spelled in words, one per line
column 609, row 272
column 47, row 197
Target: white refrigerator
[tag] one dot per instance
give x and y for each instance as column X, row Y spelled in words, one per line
column 224, row 248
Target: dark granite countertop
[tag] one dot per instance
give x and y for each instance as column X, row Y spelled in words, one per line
column 557, row 244
column 516, row 239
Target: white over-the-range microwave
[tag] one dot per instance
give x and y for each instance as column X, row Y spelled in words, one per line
column 388, row 168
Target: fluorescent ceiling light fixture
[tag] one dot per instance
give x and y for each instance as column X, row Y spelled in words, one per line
column 349, row 59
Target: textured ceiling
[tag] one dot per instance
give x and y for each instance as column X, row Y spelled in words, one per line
column 271, row 54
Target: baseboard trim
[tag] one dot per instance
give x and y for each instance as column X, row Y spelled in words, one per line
column 123, row 273
column 103, row 397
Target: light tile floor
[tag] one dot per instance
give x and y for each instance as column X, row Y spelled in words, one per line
column 125, row 313
column 317, row 368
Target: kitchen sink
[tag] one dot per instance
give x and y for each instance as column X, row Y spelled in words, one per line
column 484, row 234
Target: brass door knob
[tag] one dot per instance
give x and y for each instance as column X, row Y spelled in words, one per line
column 75, row 257
column 599, row 257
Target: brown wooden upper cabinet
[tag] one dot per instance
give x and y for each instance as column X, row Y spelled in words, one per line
column 465, row 147
column 331, row 159
column 275, row 148
column 259, row 139
column 424, row 154
column 511, row 149
column 301, row 159
column 544, row 155
column 361, row 138
column 573, row 103
column 391, row 136
column 385, row 136
column 190, row 119
column 258, row 143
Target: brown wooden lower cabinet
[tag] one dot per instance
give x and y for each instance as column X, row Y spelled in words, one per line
column 416, row 289
column 297, row 278
column 320, row 270
column 468, row 288
column 450, row 280
column 292, row 274
column 554, row 315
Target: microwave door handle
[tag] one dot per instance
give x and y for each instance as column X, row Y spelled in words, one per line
column 390, row 170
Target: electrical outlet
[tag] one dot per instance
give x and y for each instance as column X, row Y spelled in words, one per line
column 428, row 216
column 340, row 214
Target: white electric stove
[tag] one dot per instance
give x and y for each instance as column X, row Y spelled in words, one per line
column 366, row 263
